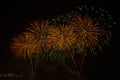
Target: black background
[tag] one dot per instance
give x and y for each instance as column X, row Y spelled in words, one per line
column 15, row 15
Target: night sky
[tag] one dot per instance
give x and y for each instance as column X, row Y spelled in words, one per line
column 15, row 16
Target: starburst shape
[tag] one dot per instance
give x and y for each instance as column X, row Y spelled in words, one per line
column 38, row 29
column 60, row 37
column 87, row 31
column 23, row 45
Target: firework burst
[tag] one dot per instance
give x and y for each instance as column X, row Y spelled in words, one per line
column 38, row 29
column 92, row 27
column 60, row 38
column 31, row 43
column 88, row 33
column 23, row 45
column 84, row 30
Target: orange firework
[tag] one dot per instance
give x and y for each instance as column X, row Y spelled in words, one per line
column 88, row 33
column 23, row 45
column 60, row 38
column 38, row 29
column 31, row 42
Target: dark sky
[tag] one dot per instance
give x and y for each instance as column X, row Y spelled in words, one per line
column 15, row 15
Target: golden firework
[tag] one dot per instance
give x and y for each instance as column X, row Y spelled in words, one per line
column 60, row 37
column 23, row 45
column 38, row 29
column 88, row 33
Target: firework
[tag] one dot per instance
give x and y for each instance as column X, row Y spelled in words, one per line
column 88, row 33
column 38, row 29
column 92, row 28
column 60, row 38
column 85, row 30
column 23, row 45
